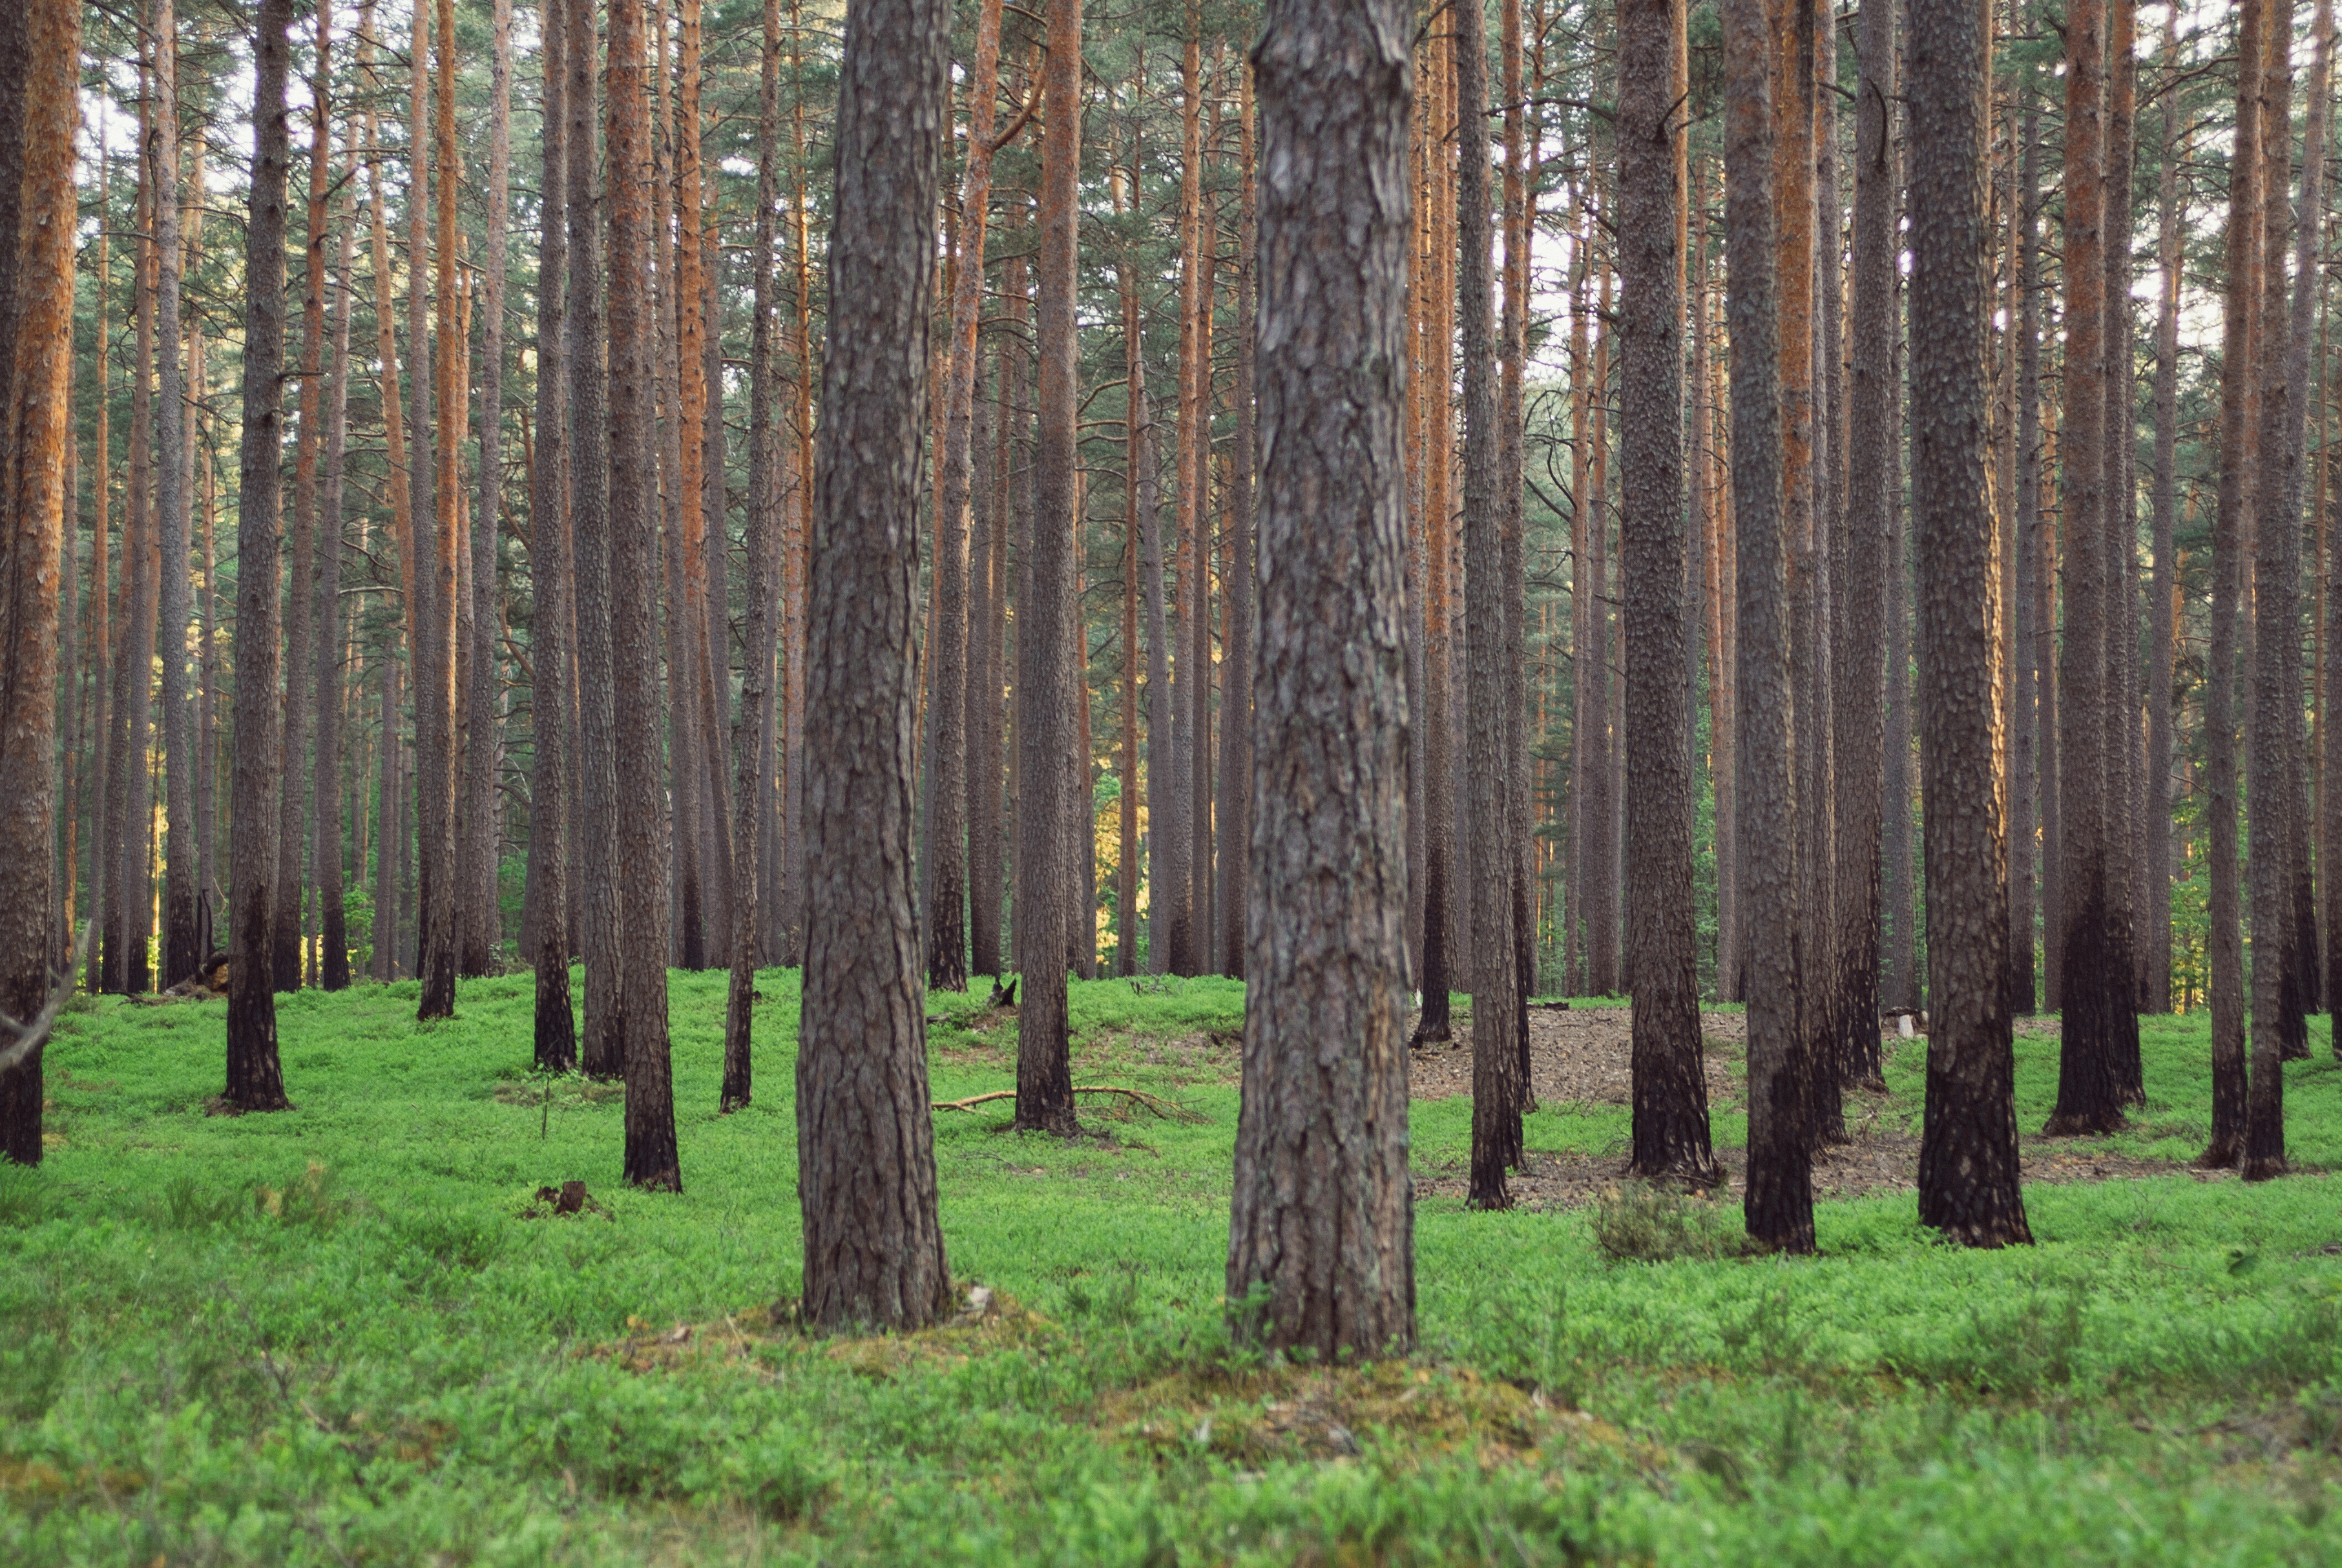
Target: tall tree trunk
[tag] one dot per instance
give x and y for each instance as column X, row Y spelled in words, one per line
column 987, row 712
column 797, row 547
column 2027, row 778
column 428, row 387
column 873, row 1251
column 1779, row 1200
column 1046, row 668
column 1859, row 601
column 387, row 858
column 2094, row 973
column 292, row 839
column 1604, row 976
column 651, row 1159
column 170, row 522
column 1669, row 1077
column 1902, row 889
column 757, row 661
column 1497, row 1091
column 2304, row 970
column 131, row 922
column 40, row 54
column 483, row 924
column 2155, row 935
column 947, row 662
column 254, row 1080
column 603, row 1051
column 1436, row 310
column 101, row 643
column 1173, row 813
column 326, row 823
column 2240, row 413
column 1967, row 1164
column 2273, row 742
column 1237, row 657
column 2119, row 526
column 551, row 570
column 1320, row 1247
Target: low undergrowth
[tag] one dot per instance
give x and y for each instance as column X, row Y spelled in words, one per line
column 332, row 1335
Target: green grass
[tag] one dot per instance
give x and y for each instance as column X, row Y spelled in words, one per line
column 328, row 1336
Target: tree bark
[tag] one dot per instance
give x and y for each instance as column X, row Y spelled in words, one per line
column 1967, row 1164
column 757, row 661
column 2119, row 524
column 1237, row 657
column 1321, row 1247
column 171, row 519
column 254, row 1080
column 873, row 1253
column 603, row 1051
column 40, row 54
column 1859, row 601
column 651, row 1159
column 1669, row 1078
column 482, row 944
column 552, row 572
column 2028, row 776
column 327, row 822
column 947, row 662
column 1497, row 1090
column 2240, row 413
column 1045, row 667
column 1779, row 1200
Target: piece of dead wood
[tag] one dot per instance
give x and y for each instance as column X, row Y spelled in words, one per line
column 1154, row 1103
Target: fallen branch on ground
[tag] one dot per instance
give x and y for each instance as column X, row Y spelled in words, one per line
column 1154, row 1103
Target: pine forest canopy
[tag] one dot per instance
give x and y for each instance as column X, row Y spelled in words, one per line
column 1821, row 507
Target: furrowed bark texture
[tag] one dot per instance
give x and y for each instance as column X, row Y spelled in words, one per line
column 651, row 1157
column 1045, row 692
column 1321, row 1245
column 1670, row 1082
column 1859, row 604
column 873, row 1253
column 254, row 1080
column 1968, row 1161
column 1779, row 1200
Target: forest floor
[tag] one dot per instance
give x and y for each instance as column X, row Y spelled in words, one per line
column 356, row 1333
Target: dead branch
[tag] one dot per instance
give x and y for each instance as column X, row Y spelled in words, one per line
column 25, row 1038
column 1154, row 1103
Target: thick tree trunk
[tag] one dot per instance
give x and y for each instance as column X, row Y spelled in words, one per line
column 551, row 573
column 1436, row 695
column 1045, row 666
column 1321, row 1246
column 101, row 643
column 40, row 53
column 1967, row 1163
column 651, row 1159
column 254, row 1080
column 2094, row 973
column 2118, row 526
column 1669, row 1078
column 873, row 1253
column 1779, row 1202
column 2239, row 412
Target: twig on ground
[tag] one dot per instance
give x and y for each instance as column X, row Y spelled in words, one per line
column 1156, row 1104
